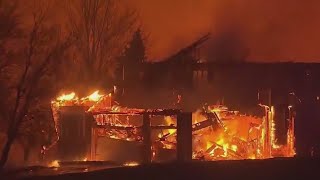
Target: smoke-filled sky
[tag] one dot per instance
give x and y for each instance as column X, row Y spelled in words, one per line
column 286, row 30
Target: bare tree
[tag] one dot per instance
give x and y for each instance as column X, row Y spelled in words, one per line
column 9, row 29
column 102, row 28
column 44, row 46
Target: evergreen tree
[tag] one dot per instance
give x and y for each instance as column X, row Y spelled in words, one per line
column 135, row 52
column 133, row 58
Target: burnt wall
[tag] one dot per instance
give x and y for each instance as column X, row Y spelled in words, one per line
column 280, row 85
column 244, row 80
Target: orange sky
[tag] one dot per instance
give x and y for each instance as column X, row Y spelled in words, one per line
column 274, row 30
column 172, row 24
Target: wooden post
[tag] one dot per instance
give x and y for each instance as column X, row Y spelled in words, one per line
column 93, row 145
column 146, row 133
column 270, row 97
column 184, row 137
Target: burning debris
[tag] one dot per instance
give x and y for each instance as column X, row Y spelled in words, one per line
column 131, row 164
column 54, row 163
column 217, row 133
column 220, row 134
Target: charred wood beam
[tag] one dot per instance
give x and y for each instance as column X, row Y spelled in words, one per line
column 117, row 127
column 162, row 112
column 230, row 152
column 234, row 154
column 211, row 148
column 163, row 127
column 116, row 113
column 213, row 120
column 146, row 134
column 164, row 137
column 202, row 125
column 189, row 48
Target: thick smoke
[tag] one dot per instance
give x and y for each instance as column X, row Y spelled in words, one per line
column 284, row 30
column 273, row 30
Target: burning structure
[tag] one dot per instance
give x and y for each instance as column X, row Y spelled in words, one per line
column 97, row 128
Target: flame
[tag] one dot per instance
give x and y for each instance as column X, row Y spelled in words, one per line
column 94, row 101
column 95, row 96
column 67, row 97
column 132, row 163
column 208, row 144
column 54, row 163
column 234, row 147
column 273, row 130
column 237, row 136
column 169, row 121
column 225, row 146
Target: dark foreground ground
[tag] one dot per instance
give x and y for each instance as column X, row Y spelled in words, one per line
column 248, row 169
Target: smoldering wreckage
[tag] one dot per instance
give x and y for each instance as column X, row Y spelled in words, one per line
column 96, row 128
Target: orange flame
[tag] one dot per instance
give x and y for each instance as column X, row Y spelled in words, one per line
column 54, row 163
column 238, row 137
column 95, row 96
column 67, row 97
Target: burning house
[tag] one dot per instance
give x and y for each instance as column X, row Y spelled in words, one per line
column 291, row 88
column 261, row 123
column 104, row 131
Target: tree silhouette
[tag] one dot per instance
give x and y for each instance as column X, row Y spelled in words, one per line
column 41, row 47
column 135, row 53
column 9, row 30
column 132, row 60
column 101, row 28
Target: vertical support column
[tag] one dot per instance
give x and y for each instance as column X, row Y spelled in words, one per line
column 267, row 145
column 146, row 133
column 184, row 137
column 290, row 133
column 93, row 144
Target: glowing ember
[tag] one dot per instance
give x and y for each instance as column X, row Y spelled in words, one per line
column 54, row 163
column 131, row 163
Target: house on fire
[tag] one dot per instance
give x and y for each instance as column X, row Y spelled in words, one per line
column 238, row 84
column 234, row 81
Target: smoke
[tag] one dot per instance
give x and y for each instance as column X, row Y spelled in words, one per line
column 273, row 30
